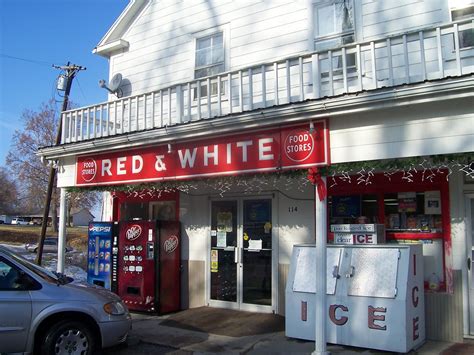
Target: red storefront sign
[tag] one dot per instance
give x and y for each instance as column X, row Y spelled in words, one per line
column 260, row 151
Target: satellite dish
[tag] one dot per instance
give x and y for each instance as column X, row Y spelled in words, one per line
column 115, row 82
column 114, row 85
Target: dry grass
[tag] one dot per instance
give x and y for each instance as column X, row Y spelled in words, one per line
column 76, row 237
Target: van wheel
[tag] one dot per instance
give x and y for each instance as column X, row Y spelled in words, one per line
column 68, row 337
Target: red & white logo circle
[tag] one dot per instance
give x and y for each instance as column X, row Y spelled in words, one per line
column 170, row 244
column 133, row 232
column 88, row 170
column 299, row 145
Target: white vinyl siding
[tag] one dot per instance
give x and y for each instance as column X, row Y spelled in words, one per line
column 383, row 18
column 162, row 38
column 161, row 51
column 404, row 132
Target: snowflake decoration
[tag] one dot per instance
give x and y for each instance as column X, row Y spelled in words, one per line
column 364, row 177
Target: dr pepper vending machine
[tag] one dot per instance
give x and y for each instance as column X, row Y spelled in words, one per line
column 102, row 254
column 149, row 265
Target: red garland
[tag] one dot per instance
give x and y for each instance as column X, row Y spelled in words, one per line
column 314, row 176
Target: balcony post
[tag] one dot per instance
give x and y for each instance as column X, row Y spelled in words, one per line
column 440, row 53
column 179, row 104
column 316, row 76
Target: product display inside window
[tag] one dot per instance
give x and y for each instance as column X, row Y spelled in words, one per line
column 413, row 211
column 354, row 209
column 408, row 217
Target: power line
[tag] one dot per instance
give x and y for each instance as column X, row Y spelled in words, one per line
column 40, row 62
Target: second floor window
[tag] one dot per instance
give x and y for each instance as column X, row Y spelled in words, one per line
column 209, row 59
column 466, row 37
column 334, row 27
column 334, row 24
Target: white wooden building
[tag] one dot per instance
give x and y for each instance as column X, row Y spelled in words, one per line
column 81, row 217
column 203, row 81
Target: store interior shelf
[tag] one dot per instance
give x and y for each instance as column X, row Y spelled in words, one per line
column 413, row 234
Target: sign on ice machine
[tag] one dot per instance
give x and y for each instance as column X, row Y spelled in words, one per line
column 149, row 265
column 375, row 296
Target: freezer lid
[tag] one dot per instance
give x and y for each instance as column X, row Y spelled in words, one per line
column 373, row 272
column 305, row 279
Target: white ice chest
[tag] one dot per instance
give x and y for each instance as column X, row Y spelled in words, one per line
column 375, row 296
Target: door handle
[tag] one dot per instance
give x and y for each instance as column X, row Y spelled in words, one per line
column 335, row 272
column 236, row 254
column 351, row 272
column 469, row 264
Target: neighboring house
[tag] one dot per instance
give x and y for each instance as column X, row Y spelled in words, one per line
column 6, row 219
column 224, row 105
column 81, row 217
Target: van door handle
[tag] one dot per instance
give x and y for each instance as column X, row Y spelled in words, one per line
column 469, row 263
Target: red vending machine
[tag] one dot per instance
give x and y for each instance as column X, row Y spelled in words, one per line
column 149, row 263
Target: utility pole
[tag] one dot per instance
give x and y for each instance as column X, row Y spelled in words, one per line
column 70, row 72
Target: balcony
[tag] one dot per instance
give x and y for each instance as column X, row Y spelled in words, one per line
column 412, row 57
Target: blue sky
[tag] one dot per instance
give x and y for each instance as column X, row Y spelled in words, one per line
column 34, row 35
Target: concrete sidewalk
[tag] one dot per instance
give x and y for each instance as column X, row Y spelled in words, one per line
column 151, row 330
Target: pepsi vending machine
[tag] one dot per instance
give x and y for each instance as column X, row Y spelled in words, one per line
column 149, row 262
column 102, row 254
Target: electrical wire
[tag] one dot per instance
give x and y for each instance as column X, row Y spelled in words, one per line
column 39, row 62
column 80, row 88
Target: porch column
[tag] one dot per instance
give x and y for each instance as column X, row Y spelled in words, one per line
column 62, row 231
column 321, row 309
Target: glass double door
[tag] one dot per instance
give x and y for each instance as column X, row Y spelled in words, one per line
column 241, row 254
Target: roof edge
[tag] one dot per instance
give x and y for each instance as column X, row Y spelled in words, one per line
column 108, row 43
column 110, row 47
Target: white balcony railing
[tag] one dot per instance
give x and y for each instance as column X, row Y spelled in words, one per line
column 411, row 57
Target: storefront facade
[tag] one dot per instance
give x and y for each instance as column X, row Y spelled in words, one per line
column 235, row 172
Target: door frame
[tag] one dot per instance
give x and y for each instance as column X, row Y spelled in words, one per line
column 239, row 305
column 469, row 225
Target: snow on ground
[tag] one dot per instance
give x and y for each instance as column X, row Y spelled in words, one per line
column 50, row 261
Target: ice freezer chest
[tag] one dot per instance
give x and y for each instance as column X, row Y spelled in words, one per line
column 375, row 296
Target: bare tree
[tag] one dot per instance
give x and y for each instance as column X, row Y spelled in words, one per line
column 39, row 130
column 9, row 202
column 79, row 200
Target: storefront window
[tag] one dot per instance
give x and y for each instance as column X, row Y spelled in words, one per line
column 134, row 211
column 163, row 210
column 353, row 209
column 412, row 212
column 145, row 206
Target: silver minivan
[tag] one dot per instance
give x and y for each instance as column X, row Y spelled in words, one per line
column 45, row 313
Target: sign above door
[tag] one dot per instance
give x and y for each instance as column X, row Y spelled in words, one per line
column 289, row 147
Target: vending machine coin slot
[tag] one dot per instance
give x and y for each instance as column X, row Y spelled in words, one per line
column 150, row 253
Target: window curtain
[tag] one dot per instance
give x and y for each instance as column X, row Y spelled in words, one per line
column 344, row 15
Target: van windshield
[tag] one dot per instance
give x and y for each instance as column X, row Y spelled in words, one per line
column 36, row 269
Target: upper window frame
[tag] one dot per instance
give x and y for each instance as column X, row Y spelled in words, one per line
column 316, row 36
column 211, row 37
column 462, row 38
column 208, row 33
